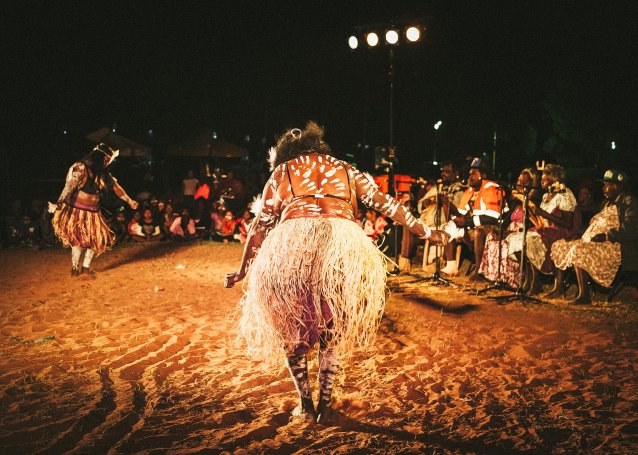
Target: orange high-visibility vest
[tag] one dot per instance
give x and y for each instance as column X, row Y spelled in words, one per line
column 487, row 201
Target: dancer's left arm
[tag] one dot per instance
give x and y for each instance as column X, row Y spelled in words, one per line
column 119, row 191
column 265, row 219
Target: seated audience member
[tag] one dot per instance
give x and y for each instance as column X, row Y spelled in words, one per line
column 120, row 227
column 374, row 225
column 28, row 232
column 148, row 228
column 242, row 227
column 475, row 216
column 134, row 222
column 610, row 242
column 216, row 218
column 586, row 204
column 509, row 271
column 202, row 219
column 227, row 230
column 168, row 216
column 41, row 216
column 11, row 238
column 183, row 227
column 452, row 187
column 559, row 218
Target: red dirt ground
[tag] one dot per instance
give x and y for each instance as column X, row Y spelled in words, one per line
column 141, row 360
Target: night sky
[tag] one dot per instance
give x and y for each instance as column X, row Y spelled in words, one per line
column 556, row 79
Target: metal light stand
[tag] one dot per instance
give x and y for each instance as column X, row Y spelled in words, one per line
column 519, row 294
column 392, row 159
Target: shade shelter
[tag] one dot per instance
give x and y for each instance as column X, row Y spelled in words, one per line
column 126, row 146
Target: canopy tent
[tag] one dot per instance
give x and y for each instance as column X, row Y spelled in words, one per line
column 126, row 146
column 203, row 146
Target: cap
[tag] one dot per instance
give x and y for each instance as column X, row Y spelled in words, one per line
column 614, row 176
column 477, row 163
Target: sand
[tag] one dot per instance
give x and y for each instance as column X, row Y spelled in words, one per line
column 141, row 359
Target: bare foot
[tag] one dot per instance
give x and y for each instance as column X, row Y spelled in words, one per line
column 555, row 294
column 305, row 409
column 582, row 300
column 324, row 412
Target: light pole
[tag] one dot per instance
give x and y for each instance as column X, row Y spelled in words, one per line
column 392, row 33
column 437, row 141
column 412, row 34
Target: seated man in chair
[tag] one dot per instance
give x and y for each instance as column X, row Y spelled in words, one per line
column 476, row 215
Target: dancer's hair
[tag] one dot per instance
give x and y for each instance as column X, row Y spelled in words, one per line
column 94, row 162
column 295, row 142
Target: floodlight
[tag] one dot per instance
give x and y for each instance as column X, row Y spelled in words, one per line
column 353, row 42
column 413, row 34
column 391, row 37
column 372, row 39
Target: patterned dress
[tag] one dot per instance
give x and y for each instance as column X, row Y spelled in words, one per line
column 510, row 268
column 600, row 259
column 540, row 239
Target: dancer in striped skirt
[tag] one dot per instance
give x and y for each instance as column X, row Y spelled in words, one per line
column 77, row 221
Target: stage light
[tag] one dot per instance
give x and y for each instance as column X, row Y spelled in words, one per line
column 413, row 34
column 613, row 145
column 353, row 42
column 438, row 124
column 391, row 37
column 372, row 39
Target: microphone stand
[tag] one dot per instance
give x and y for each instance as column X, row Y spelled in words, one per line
column 436, row 277
column 499, row 283
column 519, row 294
